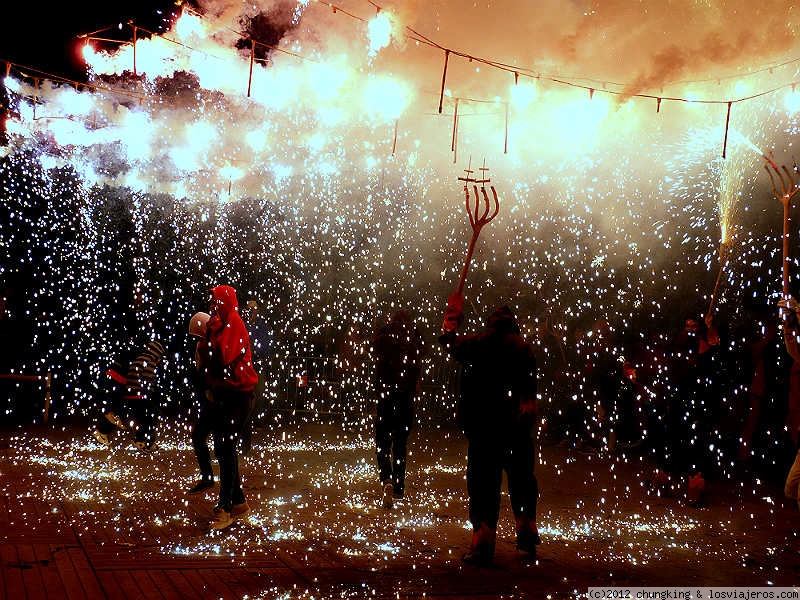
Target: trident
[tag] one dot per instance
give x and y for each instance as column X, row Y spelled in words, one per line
column 789, row 189
column 479, row 210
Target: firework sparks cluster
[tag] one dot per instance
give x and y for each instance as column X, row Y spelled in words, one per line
column 126, row 202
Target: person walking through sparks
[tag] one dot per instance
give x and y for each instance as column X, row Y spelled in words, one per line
column 134, row 392
column 201, row 428
column 790, row 309
column 497, row 412
column 140, row 392
column 231, row 381
column 397, row 348
column 114, row 409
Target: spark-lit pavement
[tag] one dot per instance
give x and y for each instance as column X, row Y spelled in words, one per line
column 79, row 521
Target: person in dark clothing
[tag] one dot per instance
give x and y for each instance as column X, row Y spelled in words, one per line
column 231, row 380
column 599, row 376
column 140, row 393
column 693, row 402
column 497, row 412
column 130, row 392
column 114, row 412
column 764, row 398
column 397, row 348
column 790, row 314
column 554, row 393
column 201, row 429
column 627, row 415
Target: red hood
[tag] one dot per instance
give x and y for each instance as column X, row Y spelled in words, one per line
column 228, row 354
column 227, row 302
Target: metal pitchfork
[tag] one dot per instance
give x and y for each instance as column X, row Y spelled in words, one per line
column 789, row 189
column 480, row 212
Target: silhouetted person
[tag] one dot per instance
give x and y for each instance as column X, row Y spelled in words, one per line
column 115, row 414
column 398, row 349
column 763, row 394
column 693, row 403
column 202, row 426
column 140, row 393
column 791, row 338
column 497, row 412
column 130, row 391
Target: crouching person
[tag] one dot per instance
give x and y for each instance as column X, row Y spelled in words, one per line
column 114, row 410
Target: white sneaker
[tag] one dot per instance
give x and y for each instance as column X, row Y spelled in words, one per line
column 240, row 510
column 101, row 438
column 114, row 419
column 388, row 492
column 222, row 519
column 144, row 446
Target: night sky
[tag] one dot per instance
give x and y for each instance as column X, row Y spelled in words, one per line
column 43, row 36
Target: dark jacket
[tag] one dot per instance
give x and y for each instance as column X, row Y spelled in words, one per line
column 498, row 377
column 115, row 381
column 141, row 372
column 398, row 350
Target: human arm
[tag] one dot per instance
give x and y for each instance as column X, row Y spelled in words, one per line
column 453, row 314
column 528, row 405
column 790, row 339
column 712, row 335
column 791, row 329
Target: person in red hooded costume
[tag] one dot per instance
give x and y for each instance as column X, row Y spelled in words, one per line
column 231, row 380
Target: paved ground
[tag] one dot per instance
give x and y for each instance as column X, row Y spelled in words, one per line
column 81, row 521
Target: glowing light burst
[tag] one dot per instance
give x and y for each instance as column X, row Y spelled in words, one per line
column 523, row 95
column 379, row 31
column 387, row 97
column 190, row 27
column 793, row 102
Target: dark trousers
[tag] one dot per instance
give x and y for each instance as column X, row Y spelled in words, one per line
column 487, row 458
column 200, row 432
column 228, row 414
column 104, row 425
column 146, row 411
column 689, row 430
column 115, row 404
column 392, row 427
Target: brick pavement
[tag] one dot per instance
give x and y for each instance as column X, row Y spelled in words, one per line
column 81, row 521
